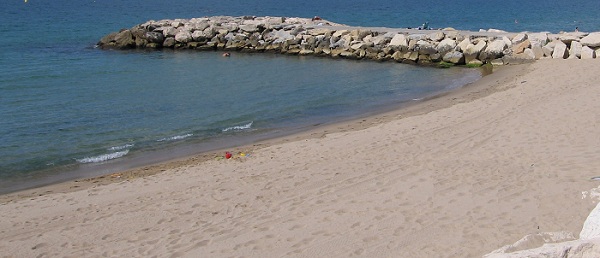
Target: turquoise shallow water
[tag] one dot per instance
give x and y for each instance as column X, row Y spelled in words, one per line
column 66, row 108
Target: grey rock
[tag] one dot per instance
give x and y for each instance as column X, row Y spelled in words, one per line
column 591, row 40
column 454, row 57
column 519, row 38
column 436, row 36
column 587, row 53
column 155, row 37
column 399, row 40
column 446, row 45
column 472, row 51
column 575, row 50
column 560, row 50
column 248, row 28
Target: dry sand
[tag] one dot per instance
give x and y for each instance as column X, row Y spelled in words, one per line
column 458, row 176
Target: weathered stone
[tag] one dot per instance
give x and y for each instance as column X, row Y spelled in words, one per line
column 462, row 46
column 547, row 51
column 446, row 45
column 360, row 34
column 507, row 41
column 494, row 49
column 472, row 51
column 520, row 47
column 412, row 56
column 435, row 57
column 560, row 50
column 169, row 42
column 475, row 62
column 529, row 53
column 279, row 36
column 248, row 27
column 169, row 31
column 358, row 45
column 318, row 31
column 412, row 44
column 306, row 52
column 568, row 38
column 537, row 51
column 540, row 38
column 452, row 34
column 347, row 54
column 124, row 40
column 587, row 53
column 155, row 37
column 454, row 57
column 436, row 36
column 575, row 50
column 399, row 40
column 591, row 40
column 425, row 47
column 424, row 59
column 519, row 38
column 497, row 62
column 340, row 33
column 398, row 56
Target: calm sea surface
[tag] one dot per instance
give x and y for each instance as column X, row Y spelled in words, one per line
column 68, row 110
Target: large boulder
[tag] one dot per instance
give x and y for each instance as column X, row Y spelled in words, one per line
column 318, row 31
column 454, row 57
column 399, row 40
column 494, row 49
column 567, row 38
column 560, row 50
column 587, row 53
column 519, row 38
column 472, row 51
column 155, row 37
column 537, row 51
column 462, row 46
column 436, row 36
column 591, row 40
column 183, row 37
column 168, row 31
column 446, row 45
column 279, row 36
column 249, row 28
column 520, row 47
column 540, row 38
column 575, row 50
column 425, row 47
column 122, row 40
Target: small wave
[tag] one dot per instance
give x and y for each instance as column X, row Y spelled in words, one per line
column 122, row 147
column 176, row 137
column 103, row 157
column 238, row 127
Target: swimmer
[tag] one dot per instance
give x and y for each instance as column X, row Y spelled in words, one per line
column 226, row 54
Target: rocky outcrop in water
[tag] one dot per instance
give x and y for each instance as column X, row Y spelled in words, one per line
column 301, row 36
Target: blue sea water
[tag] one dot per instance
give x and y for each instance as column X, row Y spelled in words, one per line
column 67, row 109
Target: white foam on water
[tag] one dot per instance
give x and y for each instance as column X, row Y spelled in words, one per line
column 103, row 157
column 239, row 127
column 122, row 147
column 175, row 138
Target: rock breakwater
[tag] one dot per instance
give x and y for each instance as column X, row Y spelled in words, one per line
column 304, row 36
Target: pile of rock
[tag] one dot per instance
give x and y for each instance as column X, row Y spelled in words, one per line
column 301, row 36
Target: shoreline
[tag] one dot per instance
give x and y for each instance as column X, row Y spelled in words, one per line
column 427, row 104
column 460, row 175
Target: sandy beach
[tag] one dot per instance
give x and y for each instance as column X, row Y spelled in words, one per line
column 456, row 176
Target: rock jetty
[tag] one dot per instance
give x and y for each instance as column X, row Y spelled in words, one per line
column 305, row 36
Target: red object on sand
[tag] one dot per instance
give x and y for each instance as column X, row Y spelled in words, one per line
column 228, row 155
